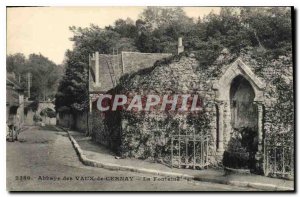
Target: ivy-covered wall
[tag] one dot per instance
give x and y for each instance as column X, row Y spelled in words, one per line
column 278, row 94
column 105, row 129
column 147, row 134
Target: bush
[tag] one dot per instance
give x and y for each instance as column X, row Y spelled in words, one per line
column 48, row 113
column 37, row 118
column 241, row 149
column 236, row 156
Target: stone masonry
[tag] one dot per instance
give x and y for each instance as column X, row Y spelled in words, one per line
column 147, row 134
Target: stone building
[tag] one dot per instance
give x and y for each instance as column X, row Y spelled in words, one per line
column 243, row 98
column 42, row 111
column 14, row 102
column 104, row 74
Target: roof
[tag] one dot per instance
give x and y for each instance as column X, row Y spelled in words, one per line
column 134, row 61
column 11, row 81
column 112, row 67
column 13, row 89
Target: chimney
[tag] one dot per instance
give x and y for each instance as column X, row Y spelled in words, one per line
column 97, row 68
column 180, row 48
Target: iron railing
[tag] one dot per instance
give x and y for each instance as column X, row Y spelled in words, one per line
column 189, row 151
column 278, row 157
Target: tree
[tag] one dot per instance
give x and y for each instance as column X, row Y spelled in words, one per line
column 160, row 27
column 45, row 74
column 15, row 63
column 271, row 26
column 125, row 28
column 157, row 31
column 94, row 38
column 73, row 88
column 164, row 17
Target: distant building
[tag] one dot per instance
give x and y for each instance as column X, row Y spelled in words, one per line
column 14, row 102
column 45, row 111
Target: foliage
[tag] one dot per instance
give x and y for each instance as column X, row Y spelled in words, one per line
column 232, row 28
column 48, row 113
column 279, row 93
column 200, row 122
column 37, row 118
column 286, row 101
column 281, row 114
column 241, row 149
column 272, row 27
column 266, row 30
column 33, row 106
column 45, row 74
column 73, row 87
column 159, row 29
column 16, row 63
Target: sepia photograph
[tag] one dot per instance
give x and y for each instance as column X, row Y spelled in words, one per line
column 150, row 98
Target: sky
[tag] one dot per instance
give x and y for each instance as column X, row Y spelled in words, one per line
column 45, row 30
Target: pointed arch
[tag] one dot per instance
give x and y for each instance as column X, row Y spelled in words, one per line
column 222, row 86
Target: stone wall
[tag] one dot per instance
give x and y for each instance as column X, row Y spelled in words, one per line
column 49, row 121
column 105, row 129
column 29, row 118
column 80, row 121
column 65, row 120
column 147, row 135
column 77, row 121
column 278, row 94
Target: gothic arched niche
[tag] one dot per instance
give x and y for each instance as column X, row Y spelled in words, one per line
column 243, row 110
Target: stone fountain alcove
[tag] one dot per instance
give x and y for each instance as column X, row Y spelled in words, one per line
column 238, row 72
